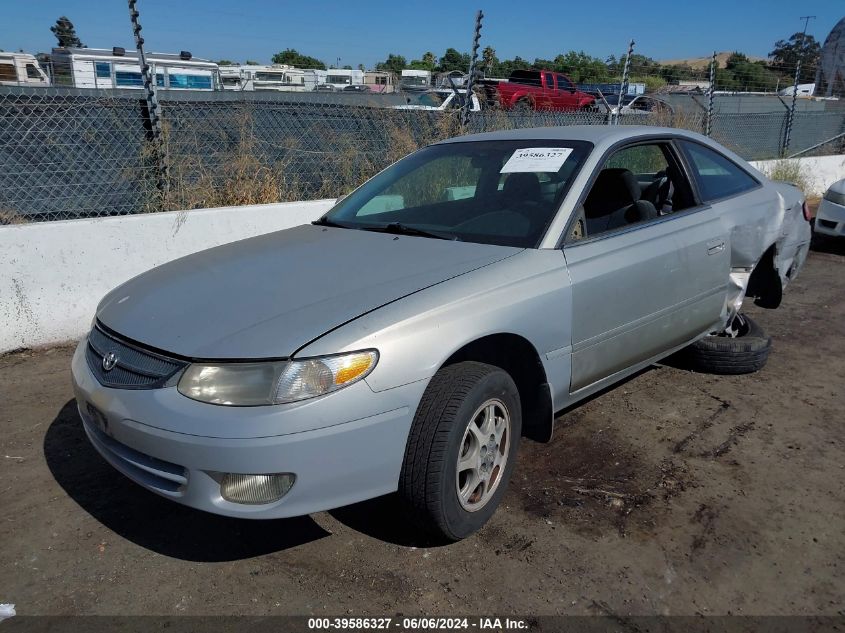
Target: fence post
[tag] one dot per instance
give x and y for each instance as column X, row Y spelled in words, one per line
column 709, row 117
column 623, row 87
column 790, row 115
column 471, row 78
column 151, row 98
column 790, row 118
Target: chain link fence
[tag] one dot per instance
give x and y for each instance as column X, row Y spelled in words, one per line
column 68, row 154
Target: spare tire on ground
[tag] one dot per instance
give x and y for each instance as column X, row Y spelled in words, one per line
column 745, row 352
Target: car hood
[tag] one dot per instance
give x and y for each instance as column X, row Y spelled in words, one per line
column 267, row 296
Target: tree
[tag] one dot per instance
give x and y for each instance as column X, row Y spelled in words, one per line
column 741, row 74
column 225, row 62
column 361, row 67
column 507, row 66
column 66, row 34
column 393, row 63
column 292, row 57
column 428, row 62
column 640, row 64
column 799, row 47
column 489, row 61
column 678, row 72
column 454, row 60
column 581, row 68
column 252, row 62
column 418, row 64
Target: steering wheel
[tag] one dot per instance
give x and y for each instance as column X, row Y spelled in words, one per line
column 665, row 190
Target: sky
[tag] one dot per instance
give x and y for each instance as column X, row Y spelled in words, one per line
column 365, row 32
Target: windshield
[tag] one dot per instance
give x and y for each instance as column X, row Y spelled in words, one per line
column 490, row 192
column 431, row 99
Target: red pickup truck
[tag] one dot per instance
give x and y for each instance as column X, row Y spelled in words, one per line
column 538, row 90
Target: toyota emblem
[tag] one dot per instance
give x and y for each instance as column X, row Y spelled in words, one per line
column 109, row 361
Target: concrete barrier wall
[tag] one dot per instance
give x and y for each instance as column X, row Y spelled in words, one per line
column 55, row 273
column 818, row 172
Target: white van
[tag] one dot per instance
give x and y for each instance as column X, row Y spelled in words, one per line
column 21, row 69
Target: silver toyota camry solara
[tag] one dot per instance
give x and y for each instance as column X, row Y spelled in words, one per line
column 452, row 304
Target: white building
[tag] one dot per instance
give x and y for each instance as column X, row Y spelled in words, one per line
column 21, row 69
column 119, row 68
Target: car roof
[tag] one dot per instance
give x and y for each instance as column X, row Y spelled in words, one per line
column 602, row 137
column 596, row 134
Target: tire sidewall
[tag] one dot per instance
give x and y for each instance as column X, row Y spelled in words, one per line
column 458, row 521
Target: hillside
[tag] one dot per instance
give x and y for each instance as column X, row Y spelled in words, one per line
column 704, row 62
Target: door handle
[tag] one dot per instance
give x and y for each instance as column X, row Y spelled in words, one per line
column 716, row 246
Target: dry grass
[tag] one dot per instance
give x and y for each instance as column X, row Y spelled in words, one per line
column 787, row 170
column 246, row 175
column 7, row 216
column 243, row 175
column 682, row 119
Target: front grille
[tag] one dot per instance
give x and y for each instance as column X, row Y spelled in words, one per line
column 134, row 367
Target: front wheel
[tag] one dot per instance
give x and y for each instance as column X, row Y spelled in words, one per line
column 461, row 449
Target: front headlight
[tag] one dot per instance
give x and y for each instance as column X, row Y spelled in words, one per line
column 274, row 382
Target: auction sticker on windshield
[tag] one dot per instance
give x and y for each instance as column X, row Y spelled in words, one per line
column 536, row 159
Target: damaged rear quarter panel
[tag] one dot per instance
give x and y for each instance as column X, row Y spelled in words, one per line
column 754, row 222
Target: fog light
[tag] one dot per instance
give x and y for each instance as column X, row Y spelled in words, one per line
column 255, row 489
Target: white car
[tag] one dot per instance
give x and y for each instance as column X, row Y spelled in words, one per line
column 634, row 104
column 438, row 100
column 830, row 218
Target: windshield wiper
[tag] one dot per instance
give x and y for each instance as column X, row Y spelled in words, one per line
column 403, row 229
column 326, row 222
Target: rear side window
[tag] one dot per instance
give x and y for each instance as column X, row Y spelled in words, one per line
column 717, row 176
column 563, row 83
column 8, row 72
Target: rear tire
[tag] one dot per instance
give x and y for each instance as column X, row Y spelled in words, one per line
column 744, row 354
column 461, row 449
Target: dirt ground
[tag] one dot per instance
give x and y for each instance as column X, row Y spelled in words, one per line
column 674, row 493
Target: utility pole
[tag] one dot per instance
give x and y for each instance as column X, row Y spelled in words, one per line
column 806, row 19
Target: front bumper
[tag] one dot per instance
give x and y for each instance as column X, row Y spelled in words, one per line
column 830, row 219
column 343, row 448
